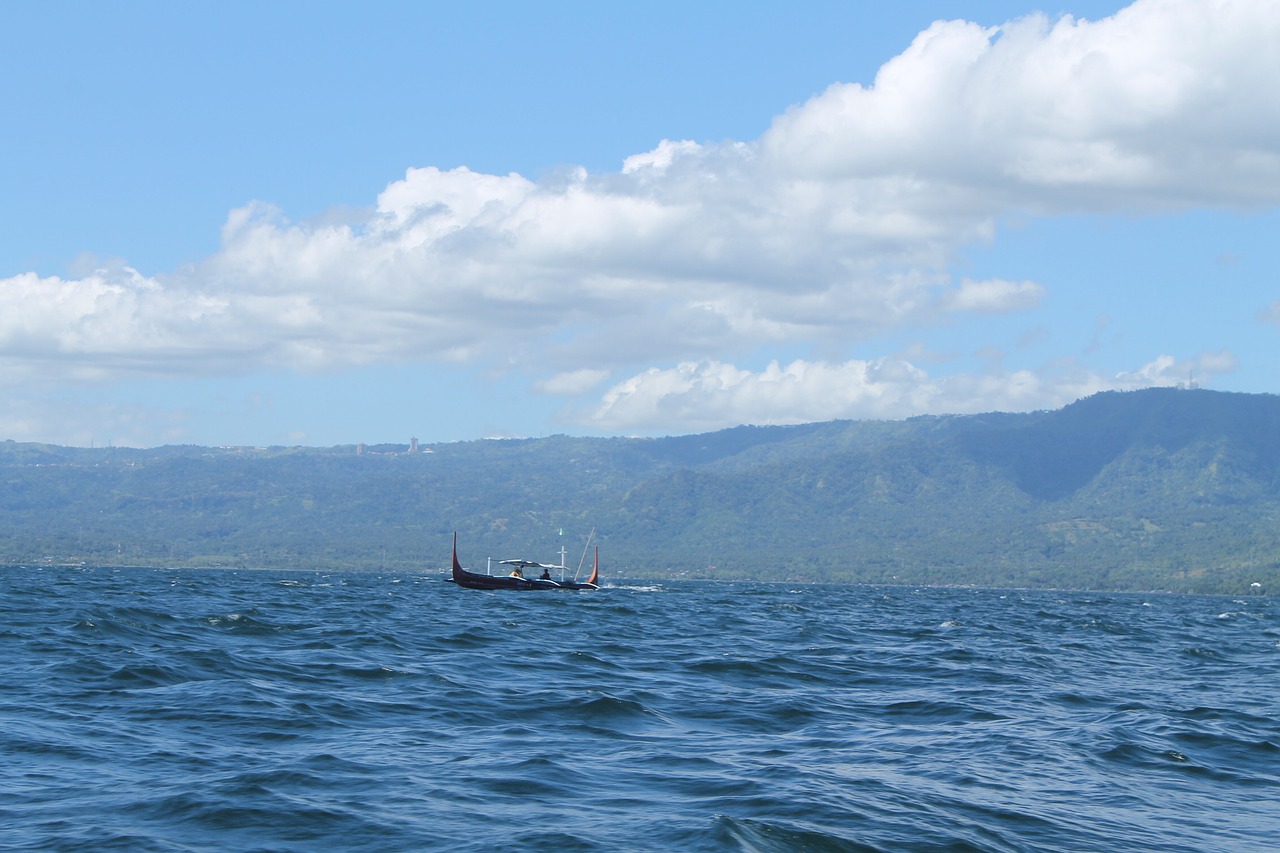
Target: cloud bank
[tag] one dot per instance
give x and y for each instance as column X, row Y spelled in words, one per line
column 635, row 293
column 707, row 395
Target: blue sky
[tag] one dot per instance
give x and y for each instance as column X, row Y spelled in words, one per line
column 313, row 223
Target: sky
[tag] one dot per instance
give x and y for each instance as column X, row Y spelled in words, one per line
column 318, row 223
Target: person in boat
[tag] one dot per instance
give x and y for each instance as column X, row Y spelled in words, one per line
column 517, row 572
column 546, row 574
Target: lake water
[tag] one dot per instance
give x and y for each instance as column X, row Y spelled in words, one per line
column 185, row 710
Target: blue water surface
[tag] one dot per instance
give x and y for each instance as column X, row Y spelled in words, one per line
column 212, row 710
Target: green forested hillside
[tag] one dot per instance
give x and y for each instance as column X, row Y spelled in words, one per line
column 1156, row 489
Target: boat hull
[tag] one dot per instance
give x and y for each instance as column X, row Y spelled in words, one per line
column 476, row 580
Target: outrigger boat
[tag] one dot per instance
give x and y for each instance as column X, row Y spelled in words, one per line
column 517, row 580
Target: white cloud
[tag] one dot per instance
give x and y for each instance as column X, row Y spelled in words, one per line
column 660, row 158
column 711, row 395
column 573, row 383
column 1167, row 103
column 841, row 223
column 994, row 296
column 1168, row 371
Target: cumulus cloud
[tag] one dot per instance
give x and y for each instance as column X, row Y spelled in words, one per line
column 710, row 394
column 1166, row 103
column 994, row 296
column 573, row 382
column 842, row 222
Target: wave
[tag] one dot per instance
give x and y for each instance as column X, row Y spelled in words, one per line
column 255, row 710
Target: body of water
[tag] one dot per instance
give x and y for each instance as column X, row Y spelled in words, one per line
column 193, row 710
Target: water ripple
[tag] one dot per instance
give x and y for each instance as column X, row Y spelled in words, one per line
column 228, row 710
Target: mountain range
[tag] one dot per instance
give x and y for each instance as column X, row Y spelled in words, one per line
column 1159, row 489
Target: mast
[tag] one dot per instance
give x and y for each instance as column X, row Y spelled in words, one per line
column 584, row 554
